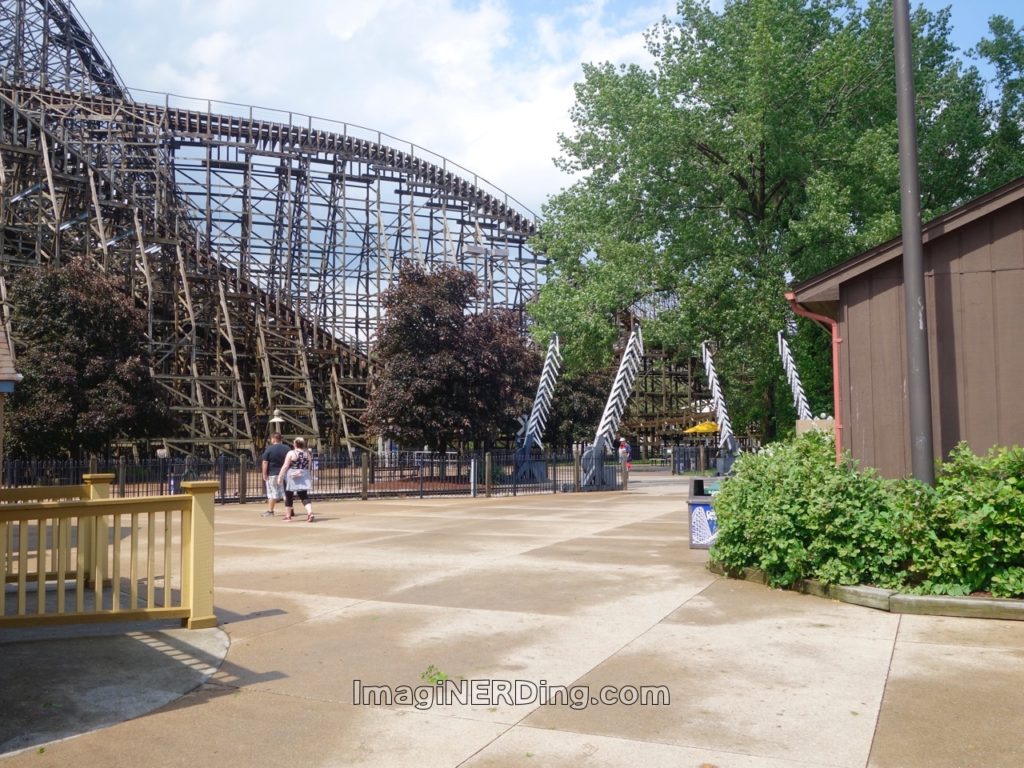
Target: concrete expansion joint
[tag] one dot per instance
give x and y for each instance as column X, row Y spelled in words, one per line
column 1003, row 608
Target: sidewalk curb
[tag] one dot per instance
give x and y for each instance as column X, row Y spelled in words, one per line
column 1003, row 608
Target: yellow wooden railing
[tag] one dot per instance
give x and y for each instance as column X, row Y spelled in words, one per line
column 73, row 554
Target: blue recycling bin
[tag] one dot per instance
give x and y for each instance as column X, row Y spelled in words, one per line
column 703, row 522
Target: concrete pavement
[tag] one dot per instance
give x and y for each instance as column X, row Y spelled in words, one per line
column 571, row 590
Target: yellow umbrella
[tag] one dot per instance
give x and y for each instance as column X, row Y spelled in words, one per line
column 705, row 427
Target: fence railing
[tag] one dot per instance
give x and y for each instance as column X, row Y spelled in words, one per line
column 694, row 458
column 708, row 457
column 239, row 479
column 74, row 554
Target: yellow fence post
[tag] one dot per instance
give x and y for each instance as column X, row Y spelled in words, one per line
column 197, row 555
column 93, row 533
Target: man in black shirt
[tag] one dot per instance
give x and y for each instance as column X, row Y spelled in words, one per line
column 273, row 459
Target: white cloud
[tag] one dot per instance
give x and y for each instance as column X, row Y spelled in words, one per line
column 486, row 84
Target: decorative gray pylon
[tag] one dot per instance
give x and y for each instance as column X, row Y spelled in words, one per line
column 618, row 399
column 527, row 470
column 803, row 411
column 542, row 400
column 725, row 436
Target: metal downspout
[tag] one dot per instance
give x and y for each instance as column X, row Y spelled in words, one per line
column 836, row 341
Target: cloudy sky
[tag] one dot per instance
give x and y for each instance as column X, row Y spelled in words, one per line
column 485, row 83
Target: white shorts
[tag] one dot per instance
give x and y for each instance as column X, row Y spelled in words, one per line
column 274, row 490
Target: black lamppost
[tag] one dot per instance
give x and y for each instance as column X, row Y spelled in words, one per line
column 919, row 391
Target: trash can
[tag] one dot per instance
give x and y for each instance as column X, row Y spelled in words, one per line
column 703, row 522
column 704, row 486
column 701, row 511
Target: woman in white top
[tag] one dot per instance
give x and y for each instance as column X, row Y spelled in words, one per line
column 297, row 480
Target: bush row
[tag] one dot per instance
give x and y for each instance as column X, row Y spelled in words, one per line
column 793, row 513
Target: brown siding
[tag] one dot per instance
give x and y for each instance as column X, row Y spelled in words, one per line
column 974, row 336
column 1008, row 304
column 945, row 358
column 978, row 334
column 1008, row 238
column 943, row 255
column 975, row 296
column 975, row 247
column 873, row 389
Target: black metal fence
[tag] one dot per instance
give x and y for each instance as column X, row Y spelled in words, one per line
column 694, row 458
column 416, row 474
column 707, row 457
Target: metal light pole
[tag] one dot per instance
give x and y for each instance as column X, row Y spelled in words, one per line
column 919, row 389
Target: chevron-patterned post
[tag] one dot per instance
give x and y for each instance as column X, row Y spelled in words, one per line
column 545, row 392
column 803, row 411
column 527, row 470
column 725, row 436
column 618, row 399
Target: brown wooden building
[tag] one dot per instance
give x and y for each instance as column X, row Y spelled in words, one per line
column 974, row 282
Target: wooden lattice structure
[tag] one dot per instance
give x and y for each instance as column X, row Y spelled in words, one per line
column 258, row 241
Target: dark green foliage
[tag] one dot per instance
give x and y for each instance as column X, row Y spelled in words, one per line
column 759, row 148
column 791, row 512
column 968, row 535
column 576, row 409
column 81, row 346
column 1004, row 50
column 444, row 376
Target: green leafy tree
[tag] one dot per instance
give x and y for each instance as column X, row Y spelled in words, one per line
column 1004, row 50
column 81, row 346
column 760, row 148
column 443, row 376
column 576, row 408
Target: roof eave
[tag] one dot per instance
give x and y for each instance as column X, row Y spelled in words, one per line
column 824, row 287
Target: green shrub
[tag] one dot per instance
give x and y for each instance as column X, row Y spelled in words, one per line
column 970, row 537
column 791, row 512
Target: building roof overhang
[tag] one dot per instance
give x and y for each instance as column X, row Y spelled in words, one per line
column 820, row 293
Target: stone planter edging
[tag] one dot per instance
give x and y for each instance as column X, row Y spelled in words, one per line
column 895, row 602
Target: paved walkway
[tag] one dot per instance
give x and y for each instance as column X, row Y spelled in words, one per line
column 574, row 590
